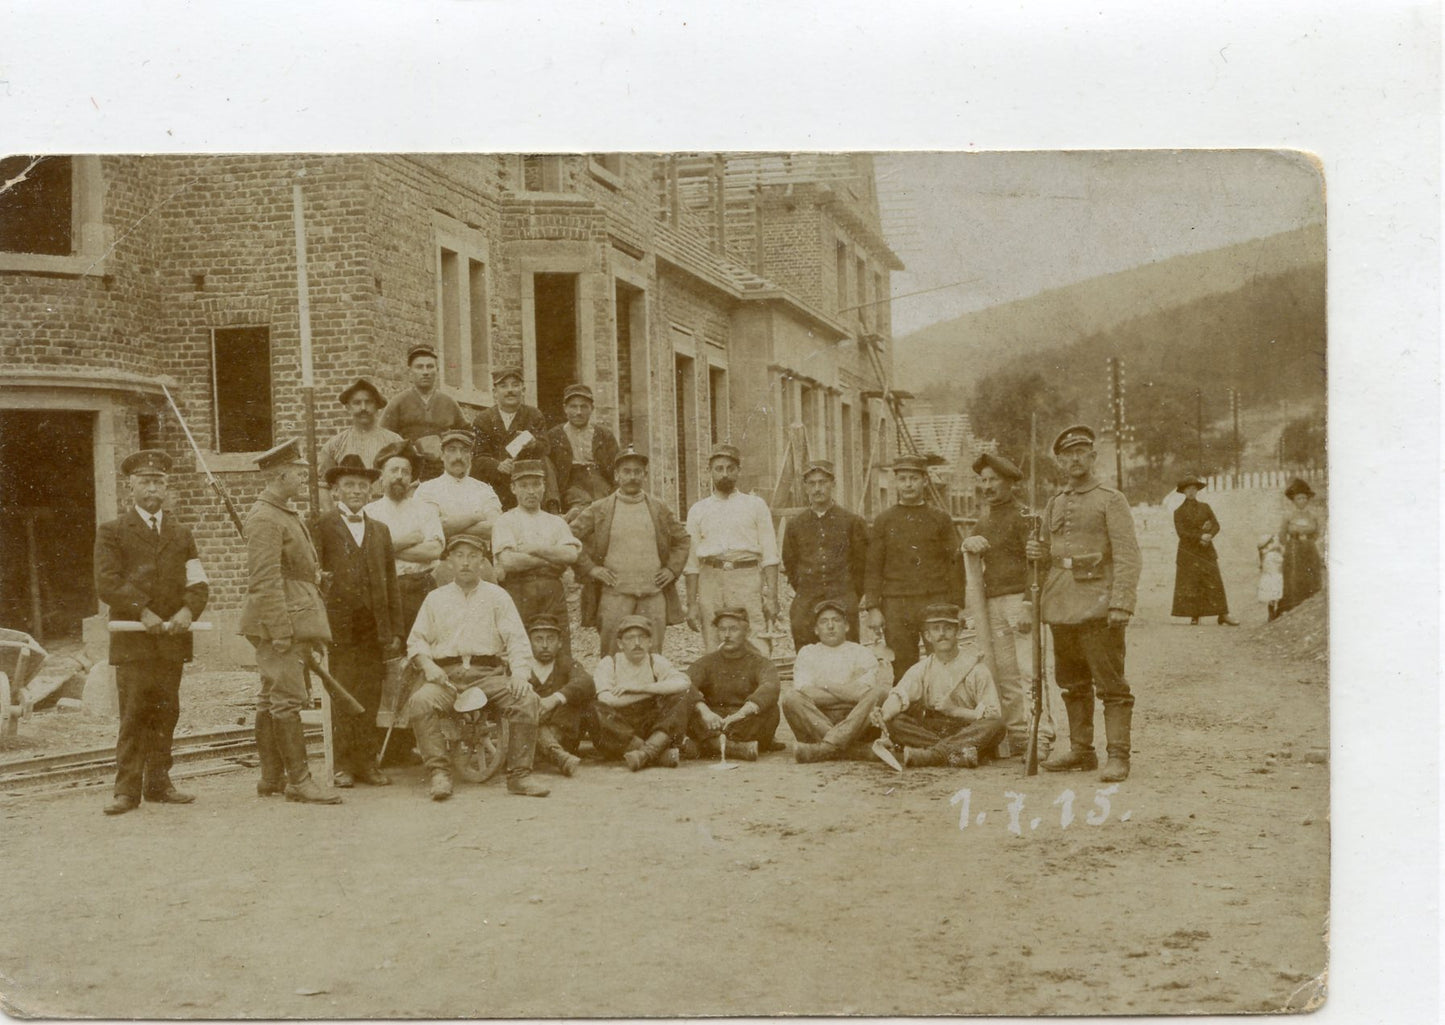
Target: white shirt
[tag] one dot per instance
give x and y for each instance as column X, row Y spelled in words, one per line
column 358, row 529
column 458, row 496
column 844, row 672
column 735, row 525
column 517, row 527
column 965, row 684
column 452, row 623
column 403, row 518
column 616, row 669
column 146, row 517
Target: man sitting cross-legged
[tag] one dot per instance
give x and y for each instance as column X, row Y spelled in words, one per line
column 566, row 691
column 639, row 695
column 837, row 683
column 468, row 634
column 945, row 710
column 735, row 692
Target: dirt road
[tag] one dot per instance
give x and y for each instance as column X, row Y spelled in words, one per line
column 1201, row 886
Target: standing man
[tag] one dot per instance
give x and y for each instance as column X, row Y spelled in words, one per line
column 534, row 548
column 733, row 562
column 734, row 693
column 365, row 437
column 633, row 549
column 1088, row 599
column 642, row 703
column 913, row 562
column 837, row 683
column 583, row 453
column 510, row 431
column 464, row 504
column 417, row 539
column 825, row 553
column 999, row 538
column 423, row 411
column 284, row 618
column 363, row 607
column 945, row 710
column 147, row 570
column 567, row 693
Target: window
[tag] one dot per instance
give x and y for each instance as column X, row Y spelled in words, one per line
column 717, row 401
column 842, row 277
column 880, row 307
column 685, row 413
column 542, row 172
column 864, row 311
column 606, row 168
column 241, row 383
column 462, row 307
column 36, row 213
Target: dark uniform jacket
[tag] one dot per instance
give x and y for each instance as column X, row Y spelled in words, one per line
column 282, row 597
column 134, row 570
column 490, row 438
column 565, row 462
column 593, row 527
column 826, row 555
column 1005, row 567
column 913, row 551
column 1094, row 557
column 359, row 578
column 570, row 679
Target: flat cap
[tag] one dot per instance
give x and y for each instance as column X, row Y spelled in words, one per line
column 730, row 612
column 528, row 468
column 634, row 623
column 362, row 384
column 282, row 454
column 502, row 373
column 942, row 612
column 147, row 460
column 1072, row 437
column 350, row 466
column 395, row 449
column 726, row 452
column 1000, row 465
column 915, row 463
column 1190, row 480
column 630, row 452
column 457, row 436
column 545, row 621
column 819, row 466
column 420, row 350
column 468, row 540
column 577, row 391
column 834, row 604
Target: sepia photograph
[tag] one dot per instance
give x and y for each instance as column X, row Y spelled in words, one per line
column 901, row 578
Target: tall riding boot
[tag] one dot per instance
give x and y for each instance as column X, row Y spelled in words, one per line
column 521, row 749
column 273, row 771
column 1081, row 755
column 300, row 786
column 1118, row 720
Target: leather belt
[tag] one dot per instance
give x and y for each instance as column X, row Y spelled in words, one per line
column 469, row 661
column 1064, row 562
column 716, row 563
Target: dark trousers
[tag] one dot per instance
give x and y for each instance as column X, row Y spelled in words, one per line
column 537, row 593
column 945, row 733
column 149, row 695
column 801, row 617
column 565, row 722
column 1089, row 658
column 413, row 589
column 903, row 627
column 358, row 666
column 615, row 727
column 760, row 727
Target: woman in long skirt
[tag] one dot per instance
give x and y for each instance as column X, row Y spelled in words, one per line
column 1198, row 587
column 1303, row 571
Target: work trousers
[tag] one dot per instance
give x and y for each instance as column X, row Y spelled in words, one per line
column 565, row 722
column 946, row 734
column 149, row 696
column 801, row 617
column 283, row 679
column 903, row 626
column 1013, row 659
column 359, row 667
column 1089, row 659
column 613, row 606
column 614, row 727
column 817, row 717
column 537, row 593
column 760, row 727
column 431, row 704
column 719, row 588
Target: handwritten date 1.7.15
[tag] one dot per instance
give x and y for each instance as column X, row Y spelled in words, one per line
column 1096, row 815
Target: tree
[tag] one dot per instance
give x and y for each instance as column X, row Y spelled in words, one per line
column 1003, row 403
column 1302, row 442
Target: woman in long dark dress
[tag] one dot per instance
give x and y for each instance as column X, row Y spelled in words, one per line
column 1303, row 572
column 1198, row 587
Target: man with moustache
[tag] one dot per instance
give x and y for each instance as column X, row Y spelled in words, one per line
column 734, row 693
column 464, row 504
column 582, row 453
column 285, row 620
column 825, row 552
column 364, row 437
column 148, row 571
column 566, row 691
column 633, row 549
column 913, row 562
column 500, row 426
column 423, row 411
column 533, row 548
column 642, row 705
column 363, row 606
column 417, row 538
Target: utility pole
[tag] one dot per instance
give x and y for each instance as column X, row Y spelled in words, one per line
column 1234, row 408
column 1199, row 425
column 1115, row 365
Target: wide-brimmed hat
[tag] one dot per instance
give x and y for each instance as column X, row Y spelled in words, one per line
column 1190, row 480
column 1299, row 487
column 399, row 448
column 350, row 466
column 362, row 384
column 1000, row 465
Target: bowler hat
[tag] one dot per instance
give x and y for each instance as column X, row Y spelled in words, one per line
column 146, row 461
column 285, row 453
column 1299, row 487
column 350, row 466
column 362, row 384
column 1000, row 465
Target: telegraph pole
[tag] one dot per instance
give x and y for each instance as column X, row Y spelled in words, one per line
column 1199, row 425
column 1115, row 365
column 1234, row 408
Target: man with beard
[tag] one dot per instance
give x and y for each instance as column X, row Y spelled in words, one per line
column 582, row 452
column 734, row 693
column 633, row 549
column 417, row 539
column 509, row 431
column 147, row 569
column 423, row 411
column 364, row 438
column 464, row 504
column 567, row 693
column 363, row 606
column 533, row 549
column 733, row 562
column 825, row 550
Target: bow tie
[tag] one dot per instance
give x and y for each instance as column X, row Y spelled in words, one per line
column 354, row 517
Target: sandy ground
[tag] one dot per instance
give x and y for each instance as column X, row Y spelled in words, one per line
column 1200, row 886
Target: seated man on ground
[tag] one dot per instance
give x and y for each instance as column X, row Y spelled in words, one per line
column 837, row 683
column 639, row 695
column 468, row 634
column 735, row 692
column 566, row 691
column 945, row 710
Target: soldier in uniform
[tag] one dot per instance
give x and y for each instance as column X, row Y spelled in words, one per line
column 284, row 618
column 147, row 570
column 422, row 412
column 583, row 453
column 825, row 551
column 1088, row 599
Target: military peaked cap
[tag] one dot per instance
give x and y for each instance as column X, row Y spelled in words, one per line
column 502, row 373
column 1071, row 437
column 147, row 460
column 282, row 454
column 457, row 435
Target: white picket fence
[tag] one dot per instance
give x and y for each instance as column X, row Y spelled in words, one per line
column 1265, row 480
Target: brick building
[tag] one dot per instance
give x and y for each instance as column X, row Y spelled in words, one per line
column 705, row 297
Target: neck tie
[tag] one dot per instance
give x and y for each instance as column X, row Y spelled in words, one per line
column 354, row 517
column 155, row 522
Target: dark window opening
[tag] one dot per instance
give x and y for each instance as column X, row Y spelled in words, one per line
column 241, row 366
column 35, row 214
column 555, row 310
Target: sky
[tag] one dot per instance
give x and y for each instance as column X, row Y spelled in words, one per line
column 1012, row 224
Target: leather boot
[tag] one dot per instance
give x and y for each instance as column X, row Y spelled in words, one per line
column 549, row 747
column 300, row 786
column 273, row 772
column 651, row 751
column 1081, row 755
column 1118, row 722
column 803, row 752
column 521, row 749
column 914, row 757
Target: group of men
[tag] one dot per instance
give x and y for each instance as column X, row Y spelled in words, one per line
column 457, row 568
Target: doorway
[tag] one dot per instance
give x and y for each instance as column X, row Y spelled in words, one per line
column 555, row 313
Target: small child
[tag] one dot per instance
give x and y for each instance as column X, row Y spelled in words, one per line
column 1271, row 575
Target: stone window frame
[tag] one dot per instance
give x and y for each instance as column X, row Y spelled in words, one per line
column 450, row 235
column 90, row 240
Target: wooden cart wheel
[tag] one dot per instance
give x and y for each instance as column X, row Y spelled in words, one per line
column 7, row 727
column 492, row 750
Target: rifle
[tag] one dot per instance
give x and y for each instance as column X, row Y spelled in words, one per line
column 1036, row 637
column 337, row 691
column 201, row 462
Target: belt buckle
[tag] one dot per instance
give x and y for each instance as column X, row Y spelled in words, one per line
column 727, row 564
column 466, row 661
